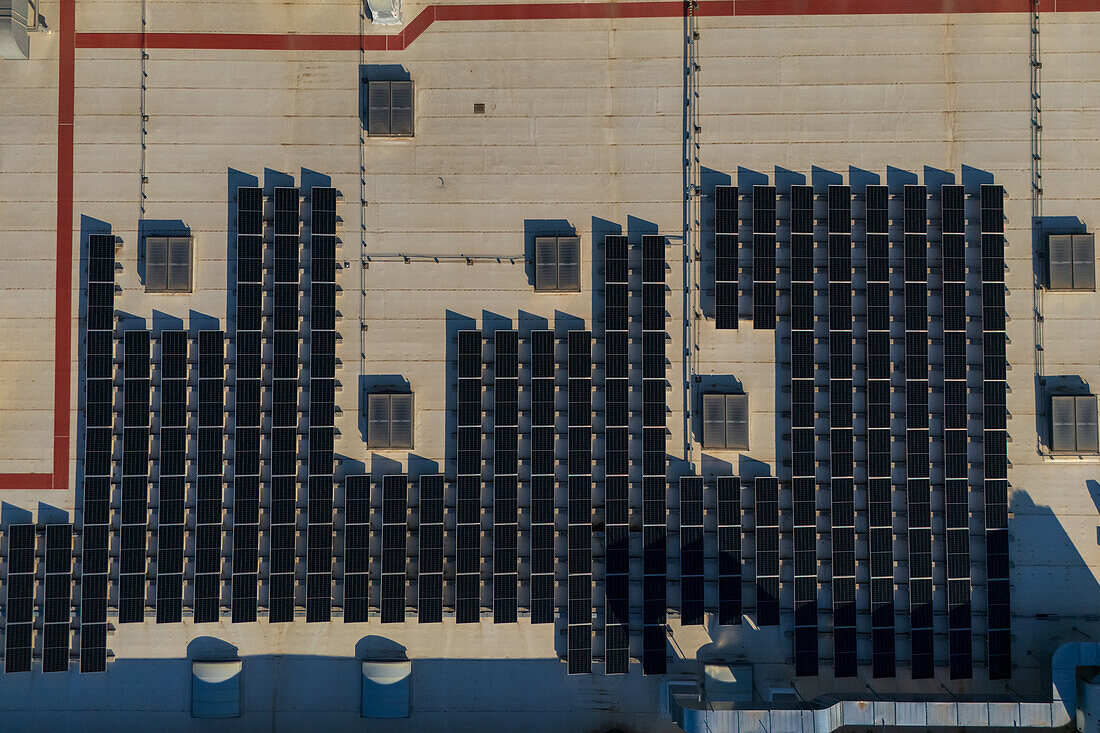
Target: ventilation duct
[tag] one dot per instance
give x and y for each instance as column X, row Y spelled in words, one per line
column 15, row 43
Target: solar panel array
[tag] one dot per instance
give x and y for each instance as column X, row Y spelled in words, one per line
column 322, row 397
column 505, row 476
column 763, row 256
column 395, row 533
column 208, row 517
column 99, row 393
column 134, row 530
column 995, row 434
column 356, row 549
column 248, row 345
column 803, row 437
column 917, row 485
column 19, row 603
column 725, row 257
column 579, row 516
column 766, row 514
column 429, row 582
column 691, row 550
column 468, row 495
column 729, row 549
column 616, row 462
column 542, row 476
column 172, row 484
column 880, row 518
column 841, row 438
column 654, row 485
column 956, row 466
column 57, row 604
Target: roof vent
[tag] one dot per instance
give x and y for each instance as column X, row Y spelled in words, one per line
column 15, row 43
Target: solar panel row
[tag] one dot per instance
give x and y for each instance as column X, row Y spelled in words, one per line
column 691, row 550
column 803, row 437
column 57, row 604
column 468, row 495
column 841, row 438
column 956, row 466
column 542, row 477
column 918, row 490
column 99, row 397
column 172, row 484
column 19, row 604
column 357, row 513
column 209, row 473
column 322, row 391
column 134, row 529
column 725, row 257
column 729, row 550
column 995, row 435
column 395, row 533
column 429, row 582
column 616, row 455
column 878, row 440
column 654, row 457
column 246, row 410
column 763, row 256
column 505, row 476
column 579, row 511
column 766, row 513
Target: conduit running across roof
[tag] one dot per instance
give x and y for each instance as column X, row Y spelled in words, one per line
column 693, row 713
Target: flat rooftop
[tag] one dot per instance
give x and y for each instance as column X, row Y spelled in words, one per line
column 143, row 118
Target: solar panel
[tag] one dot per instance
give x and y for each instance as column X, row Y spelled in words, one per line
column 654, row 458
column 995, row 437
column 395, row 498
column 505, row 476
column 357, row 524
column 766, row 512
column 542, row 477
column 57, row 606
column 322, row 388
column 209, row 489
column 579, row 518
column 729, row 550
column 616, row 456
column 429, row 582
column 468, row 526
column 763, row 257
column 171, row 487
column 725, row 257
column 19, row 603
column 135, row 478
column 691, row 550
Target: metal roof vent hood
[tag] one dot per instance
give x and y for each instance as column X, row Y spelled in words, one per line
column 384, row 12
column 15, row 42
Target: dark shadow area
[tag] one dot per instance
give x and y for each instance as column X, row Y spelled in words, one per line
column 973, row 178
column 541, row 228
column 750, row 469
column 202, row 322
column 897, row 179
column 307, row 180
column 126, row 321
column 377, row 384
column 380, row 648
column 784, row 179
column 935, row 179
column 50, row 514
column 421, row 466
column 492, row 322
column 711, row 467
column 211, row 648
column 822, row 178
column 158, row 228
column 528, row 322
column 11, row 514
column 276, row 179
column 860, row 179
column 382, row 466
column 164, row 322
column 566, row 322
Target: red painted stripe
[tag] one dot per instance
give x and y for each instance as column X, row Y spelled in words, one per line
column 1075, row 6
column 877, row 7
column 64, row 256
column 229, row 41
column 26, row 481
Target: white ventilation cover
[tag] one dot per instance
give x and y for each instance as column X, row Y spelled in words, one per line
column 15, row 43
column 216, row 689
column 385, row 12
column 386, row 689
